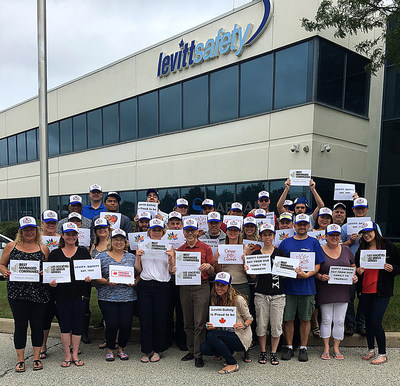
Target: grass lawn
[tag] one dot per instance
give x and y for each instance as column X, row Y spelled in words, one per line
column 391, row 320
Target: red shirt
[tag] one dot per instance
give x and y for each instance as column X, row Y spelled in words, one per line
column 370, row 281
column 206, row 254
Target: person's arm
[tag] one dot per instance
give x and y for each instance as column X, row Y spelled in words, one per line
column 209, row 264
column 317, row 198
column 138, row 260
column 171, row 260
column 5, row 259
column 45, row 250
column 282, row 198
column 305, row 275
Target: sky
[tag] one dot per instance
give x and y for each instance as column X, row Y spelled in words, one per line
column 84, row 35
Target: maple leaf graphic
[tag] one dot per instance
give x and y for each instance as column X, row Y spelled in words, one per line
column 222, row 320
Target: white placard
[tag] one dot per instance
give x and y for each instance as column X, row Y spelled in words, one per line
column 221, row 316
column 269, row 219
column 60, row 272
column 341, row 275
column 187, row 268
column 231, row 217
column 85, row 268
column 300, row 177
column 319, row 235
column 175, row 238
column 254, row 245
column 355, row 224
column 344, row 192
column 113, row 218
column 155, row 245
column 372, row 259
column 212, row 243
column 282, row 234
column 201, row 221
column 24, row 270
column 84, row 237
column 51, row 242
column 283, row 266
column 306, row 259
column 258, row 264
column 230, row 254
column 135, row 239
column 121, row 274
column 151, row 207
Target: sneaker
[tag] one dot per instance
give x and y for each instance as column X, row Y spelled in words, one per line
column 287, row 354
column 303, row 355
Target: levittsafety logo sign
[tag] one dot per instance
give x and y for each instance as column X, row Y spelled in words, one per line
column 190, row 54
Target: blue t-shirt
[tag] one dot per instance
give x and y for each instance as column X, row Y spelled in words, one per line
column 301, row 286
column 89, row 212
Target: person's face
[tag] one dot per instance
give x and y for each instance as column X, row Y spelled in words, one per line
column 174, row 224
column 285, row 224
column 368, row 236
column 191, row 234
column 152, row 197
column 77, row 208
column 339, row 215
column 333, row 239
column 300, row 208
column 111, row 204
column 263, row 203
column 232, row 232
column 29, row 234
column 302, row 228
column 220, row 289
column 76, row 221
column 95, row 195
column 156, row 233
column 236, row 212
column 287, row 209
column 214, row 227
column 70, row 238
column 144, row 224
column 249, row 229
column 182, row 210
column 267, row 237
column 50, row 227
column 102, row 231
column 324, row 220
column 207, row 209
column 118, row 242
column 360, row 211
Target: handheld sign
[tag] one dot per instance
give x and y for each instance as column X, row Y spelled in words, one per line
column 344, row 192
column 51, row 242
column 300, row 177
column 201, row 220
column 60, row 272
column 135, row 239
column 187, row 268
column 85, row 268
column 230, row 254
column 319, row 235
column 212, row 243
column 231, row 217
column 258, row 264
column 282, row 234
column 221, row 316
column 253, row 245
column 285, row 267
column 84, row 237
column 306, row 260
column 372, row 259
column 355, row 224
column 113, row 218
column 24, row 270
column 175, row 238
column 151, row 207
column 121, row 274
column 341, row 275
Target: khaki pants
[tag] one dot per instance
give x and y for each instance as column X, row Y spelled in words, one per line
column 195, row 300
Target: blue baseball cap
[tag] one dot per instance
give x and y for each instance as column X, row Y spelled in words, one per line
column 301, row 200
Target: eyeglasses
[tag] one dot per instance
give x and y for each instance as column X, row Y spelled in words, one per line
column 190, row 230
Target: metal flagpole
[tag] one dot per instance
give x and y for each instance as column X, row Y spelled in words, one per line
column 42, row 81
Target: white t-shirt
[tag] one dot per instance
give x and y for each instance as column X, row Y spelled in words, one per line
column 155, row 266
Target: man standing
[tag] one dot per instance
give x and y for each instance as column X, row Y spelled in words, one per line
column 285, row 221
column 300, row 292
column 214, row 228
column 195, row 298
column 153, row 196
column 95, row 207
column 75, row 205
column 182, row 206
column 142, row 225
column 263, row 203
column 339, row 213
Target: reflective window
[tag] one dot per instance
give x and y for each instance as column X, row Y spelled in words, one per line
column 247, row 194
column 390, row 155
column 224, row 95
column 293, row 75
column 54, row 139
column 54, row 203
column 21, row 147
column 3, row 152
column 141, row 195
column 110, row 124
column 168, row 199
column 66, row 136
column 94, row 125
column 225, row 195
column 195, row 102
column 195, row 196
column 128, row 204
column 388, row 222
column 4, row 210
column 331, row 74
column 256, row 85
column 148, row 114
column 392, row 93
column 170, row 109
column 31, row 142
column 79, row 132
column 12, row 150
column 128, row 119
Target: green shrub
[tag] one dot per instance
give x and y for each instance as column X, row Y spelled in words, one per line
column 9, row 229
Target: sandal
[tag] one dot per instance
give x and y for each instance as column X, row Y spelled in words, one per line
column 369, row 355
column 246, row 356
column 66, row 364
column 37, row 365
column 20, row 367
column 274, row 359
column 43, row 354
column 338, row 355
column 155, row 357
column 225, row 371
column 110, row 356
column 216, row 358
column 145, row 359
column 316, row 332
column 122, row 356
column 380, row 360
column 78, row 362
column 325, row 356
column 262, row 359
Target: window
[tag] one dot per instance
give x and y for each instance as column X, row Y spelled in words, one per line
column 128, row 119
column 110, row 125
column 79, row 132
column 148, row 114
column 392, row 93
column 247, row 194
column 12, row 150
column 31, row 142
column 224, row 95
column 168, row 198
column 389, row 152
column 21, row 147
column 94, row 124
column 195, row 196
column 54, row 139
column 3, row 152
column 225, row 195
column 170, row 109
column 386, row 219
column 293, row 75
column 66, row 136
column 195, row 102
column 256, row 85
column 128, row 204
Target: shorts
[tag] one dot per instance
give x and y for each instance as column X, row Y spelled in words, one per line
column 269, row 310
column 303, row 305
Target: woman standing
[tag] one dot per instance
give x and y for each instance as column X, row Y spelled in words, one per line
column 27, row 299
column 116, row 301
column 101, row 237
column 333, row 298
column 224, row 341
column 71, row 298
column 153, row 294
column 376, row 286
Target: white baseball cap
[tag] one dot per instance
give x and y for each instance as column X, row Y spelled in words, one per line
column 101, row 222
column 250, row 220
column 118, row 232
column 75, row 199
column 288, row 203
column 333, row 228
column 260, row 213
column 263, row 193
column 323, row 211
column 95, row 187
column 207, row 202
column 236, row 206
column 75, row 215
column 223, row 277
column 156, row 223
column 213, row 216
column 174, row 214
column 233, row 224
column 190, row 223
column 266, row 227
column 146, row 215
column 302, row 217
column 49, row 215
column 69, row 227
column 181, row 202
column 27, row 221
column 360, row 202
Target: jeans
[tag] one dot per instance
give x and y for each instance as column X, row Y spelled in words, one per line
column 375, row 307
column 222, row 343
column 353, row 319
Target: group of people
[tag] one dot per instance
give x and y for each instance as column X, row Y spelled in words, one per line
column 265, row 303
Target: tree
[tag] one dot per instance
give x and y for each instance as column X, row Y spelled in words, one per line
column 349, row 17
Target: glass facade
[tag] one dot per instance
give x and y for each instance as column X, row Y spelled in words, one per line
column 276, row 80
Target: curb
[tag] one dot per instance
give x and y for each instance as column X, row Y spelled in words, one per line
column 392, row 338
